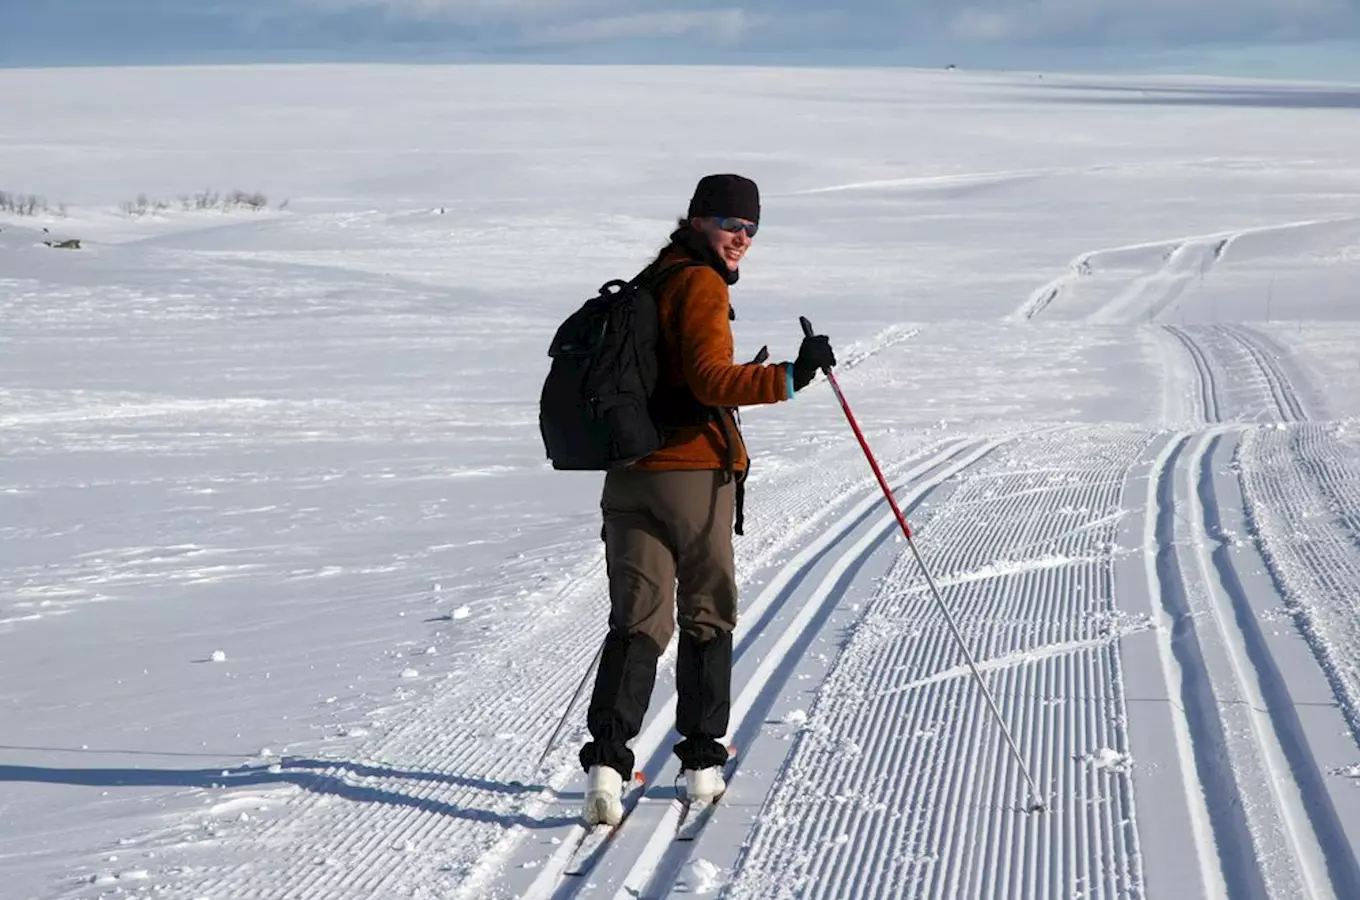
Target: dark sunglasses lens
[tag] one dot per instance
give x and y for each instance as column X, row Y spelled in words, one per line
column 735, row 225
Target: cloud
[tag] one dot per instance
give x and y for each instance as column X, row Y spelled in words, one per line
column 479, row 12
column 722, row 25
column 1165, row 21
column 508, row 25
column 891, row 31
column 872, row 22
column 985, row 25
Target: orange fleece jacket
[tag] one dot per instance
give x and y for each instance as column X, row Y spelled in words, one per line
column 699, row 353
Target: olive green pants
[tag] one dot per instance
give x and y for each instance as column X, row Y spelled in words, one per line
column 668, row 546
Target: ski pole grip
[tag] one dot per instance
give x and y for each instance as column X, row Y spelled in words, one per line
column 808, row 332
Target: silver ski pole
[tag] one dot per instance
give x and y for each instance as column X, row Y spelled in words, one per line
column 1037, row 803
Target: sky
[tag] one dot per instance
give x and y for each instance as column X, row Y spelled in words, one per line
column 1304, row 38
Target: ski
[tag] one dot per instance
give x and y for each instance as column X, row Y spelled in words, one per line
column 593, row 842
column 694, row 814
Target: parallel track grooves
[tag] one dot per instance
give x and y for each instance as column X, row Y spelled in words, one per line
column 939, row 832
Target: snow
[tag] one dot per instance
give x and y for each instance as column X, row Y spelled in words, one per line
column 701, row 877
column 1110, row 760
column 1101, row 338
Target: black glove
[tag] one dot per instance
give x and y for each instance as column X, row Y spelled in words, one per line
column 813, row 355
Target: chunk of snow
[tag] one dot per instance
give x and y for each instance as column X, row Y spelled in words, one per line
column 701, row 877
column 218, row 656
column 1110, row 760
column 795, row 717
column 461, row 612
column 409, row 673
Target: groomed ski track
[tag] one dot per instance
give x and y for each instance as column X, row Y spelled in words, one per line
column 1139, row 603
column 932, row 807
column 779, row 626
column 1258, row 717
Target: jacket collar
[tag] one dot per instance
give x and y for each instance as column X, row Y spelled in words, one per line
column 696, row 247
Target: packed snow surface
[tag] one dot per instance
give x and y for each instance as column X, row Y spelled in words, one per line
column 271, row 478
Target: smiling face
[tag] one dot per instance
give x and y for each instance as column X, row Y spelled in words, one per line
column 730, row 238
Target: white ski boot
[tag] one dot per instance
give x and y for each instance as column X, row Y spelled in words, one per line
column 604, row 796
column 704, row 785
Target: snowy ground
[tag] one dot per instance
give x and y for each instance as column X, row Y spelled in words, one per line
column 290, row 603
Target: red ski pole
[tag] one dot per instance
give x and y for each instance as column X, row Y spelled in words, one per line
column 1037, row 804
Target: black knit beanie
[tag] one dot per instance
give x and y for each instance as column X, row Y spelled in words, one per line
column 726, row 195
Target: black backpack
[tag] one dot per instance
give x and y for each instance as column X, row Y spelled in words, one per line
column 598, row 410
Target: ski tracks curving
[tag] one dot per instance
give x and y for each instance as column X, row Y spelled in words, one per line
column 1140, row 282
column 1259, row 720
column 1240, row 377
column 1127, row 284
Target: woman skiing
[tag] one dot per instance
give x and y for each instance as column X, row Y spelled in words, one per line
column 669, row 518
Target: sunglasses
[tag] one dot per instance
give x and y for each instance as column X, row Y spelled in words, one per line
column 732, row 225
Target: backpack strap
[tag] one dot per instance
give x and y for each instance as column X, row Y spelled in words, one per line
column 655, row 274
